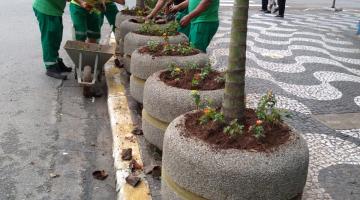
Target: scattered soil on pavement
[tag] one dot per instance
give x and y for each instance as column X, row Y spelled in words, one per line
column 212, row 133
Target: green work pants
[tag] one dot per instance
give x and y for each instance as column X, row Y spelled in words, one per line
column 110, row 14
column 86, row 24
column 181, row 29
column 51, row 28
column 201, row 34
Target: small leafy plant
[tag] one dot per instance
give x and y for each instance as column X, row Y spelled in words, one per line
column 153, row 45
column 174, row 70
column 198, row 77
column 266, row 110
column 234, row 129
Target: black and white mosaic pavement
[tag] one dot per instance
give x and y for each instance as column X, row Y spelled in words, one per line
column 311, row 60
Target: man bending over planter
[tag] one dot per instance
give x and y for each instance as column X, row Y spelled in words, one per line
column 204, row 18
column 49, row 15
column 179, row 7
column 110, row 12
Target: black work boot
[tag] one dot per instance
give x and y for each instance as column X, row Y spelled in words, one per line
column 55, row 72
column 63, row 67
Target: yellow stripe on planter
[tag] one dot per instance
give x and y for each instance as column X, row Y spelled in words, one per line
column 154, row 121
column 181, row 192
column 139, row 80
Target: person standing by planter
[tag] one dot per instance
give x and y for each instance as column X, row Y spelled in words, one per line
column 204, row 18
column 178, row 7
column 86, row 23
column 49, row 16
column 281, row 8
column 264, row 6
column 110, row 13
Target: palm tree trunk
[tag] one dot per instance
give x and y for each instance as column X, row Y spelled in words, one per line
column 140, row 3
column 234, row 98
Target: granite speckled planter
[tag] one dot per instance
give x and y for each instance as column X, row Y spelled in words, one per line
column 191, row 169
column 125, row 27
column 120, row 40
column 133, row 41
column 163, row 103
column 144, row 65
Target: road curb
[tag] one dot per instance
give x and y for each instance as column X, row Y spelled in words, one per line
column 121, row 126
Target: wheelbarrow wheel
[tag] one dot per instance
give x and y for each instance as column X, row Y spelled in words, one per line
column 87, row 77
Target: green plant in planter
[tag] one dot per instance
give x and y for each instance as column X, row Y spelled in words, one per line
column 153, row 45
column 198, row 77
column 234, row 129
column 266, row 112
column 174, row 70
column 151, row 28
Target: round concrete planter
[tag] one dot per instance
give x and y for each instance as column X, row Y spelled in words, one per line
column 144, row 65
column 119, row 41
column 133, row 41
column 163, row 103
column 122, row 17
column 194, row 170
column 125, row 27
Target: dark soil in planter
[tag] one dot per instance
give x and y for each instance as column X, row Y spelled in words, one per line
column 135, row 12
column 212, row 133
column 158, row 20
column 184, row 80
column 155, row 34
column 159, row 51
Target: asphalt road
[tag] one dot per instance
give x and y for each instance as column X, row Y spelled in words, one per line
column 46, row 126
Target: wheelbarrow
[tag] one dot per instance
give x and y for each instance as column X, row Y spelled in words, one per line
column 89, row 60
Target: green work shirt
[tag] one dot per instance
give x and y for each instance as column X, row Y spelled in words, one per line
column 50, row 7
column 209, row 15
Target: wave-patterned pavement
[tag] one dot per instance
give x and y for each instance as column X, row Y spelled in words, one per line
column 311, row 60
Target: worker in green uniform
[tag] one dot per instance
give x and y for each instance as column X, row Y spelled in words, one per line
column 204, row 19
column 49, row 15
column 178, row 8
column 86, row 23
column 110, row 13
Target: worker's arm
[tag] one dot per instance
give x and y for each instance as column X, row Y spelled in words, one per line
column 158, row 7
column 203, row 5
column 180, row 6
column 121, row 2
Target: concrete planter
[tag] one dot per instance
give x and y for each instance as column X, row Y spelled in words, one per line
column 133, row 41
column 163, row 103
column 125, row 27
column 119, row 40
column 122, row 17
column 144, row 65
column 193, row 170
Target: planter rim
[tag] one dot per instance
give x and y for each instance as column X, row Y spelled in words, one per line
column 156, row 76
column 181, row 120
column 164, row 56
